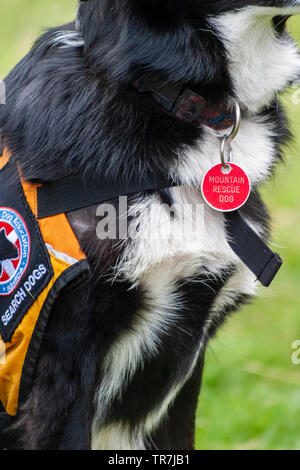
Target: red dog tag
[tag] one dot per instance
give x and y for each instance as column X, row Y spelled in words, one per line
column 226, row 190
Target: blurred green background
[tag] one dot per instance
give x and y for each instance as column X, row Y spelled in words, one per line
column 251, row 392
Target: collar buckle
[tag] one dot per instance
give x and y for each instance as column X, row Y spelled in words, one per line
column 189, row 106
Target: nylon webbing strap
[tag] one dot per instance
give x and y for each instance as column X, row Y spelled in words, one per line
column 251, row 249
column 71, row 193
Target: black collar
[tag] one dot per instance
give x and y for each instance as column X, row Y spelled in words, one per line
column 186, row 104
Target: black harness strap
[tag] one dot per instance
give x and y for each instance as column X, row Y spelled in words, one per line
column 251, row 249
column 72, row 193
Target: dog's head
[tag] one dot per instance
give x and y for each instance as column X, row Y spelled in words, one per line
column 221, row 47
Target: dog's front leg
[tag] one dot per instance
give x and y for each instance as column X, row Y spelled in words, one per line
column 177, row 431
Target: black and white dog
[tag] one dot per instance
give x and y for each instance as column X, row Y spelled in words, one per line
column 125, row 371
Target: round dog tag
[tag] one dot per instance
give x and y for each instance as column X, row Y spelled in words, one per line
column 226, row 189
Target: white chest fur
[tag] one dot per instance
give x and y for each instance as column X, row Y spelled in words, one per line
column 159, row 255
column 196, row 232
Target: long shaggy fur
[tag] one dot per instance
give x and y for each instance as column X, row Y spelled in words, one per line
column 121, row 361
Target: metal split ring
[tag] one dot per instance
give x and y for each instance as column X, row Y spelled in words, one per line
column 237, row 122
column 226, row 152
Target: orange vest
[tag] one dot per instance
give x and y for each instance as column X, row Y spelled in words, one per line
column 34, row 256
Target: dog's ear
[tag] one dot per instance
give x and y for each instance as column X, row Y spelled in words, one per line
column 129, row 37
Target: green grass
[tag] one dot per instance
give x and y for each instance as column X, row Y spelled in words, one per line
column 251, row 392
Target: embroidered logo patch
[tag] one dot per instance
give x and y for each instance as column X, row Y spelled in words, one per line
column 25, row 267
column 14, row 250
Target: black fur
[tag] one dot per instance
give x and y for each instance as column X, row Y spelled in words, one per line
column 74, row 109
